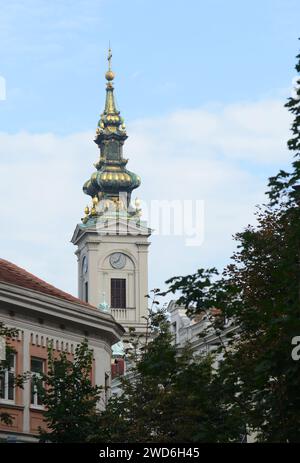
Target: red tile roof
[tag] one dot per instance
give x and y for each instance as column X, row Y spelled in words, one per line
column 11, row 273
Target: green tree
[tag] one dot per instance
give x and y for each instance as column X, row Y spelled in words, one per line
column 260, row 291
column 168, row 396
column 69, row 397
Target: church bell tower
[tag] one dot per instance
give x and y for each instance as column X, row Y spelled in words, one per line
column 112, row 240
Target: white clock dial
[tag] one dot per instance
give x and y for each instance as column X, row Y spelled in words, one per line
column 117, row 260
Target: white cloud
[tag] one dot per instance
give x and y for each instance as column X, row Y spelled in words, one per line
column 222, row 155
column 254, row 132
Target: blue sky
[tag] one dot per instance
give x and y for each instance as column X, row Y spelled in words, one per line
column 218, row 71
column 167, row 55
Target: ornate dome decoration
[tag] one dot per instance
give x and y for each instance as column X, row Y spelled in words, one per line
column 111, row 178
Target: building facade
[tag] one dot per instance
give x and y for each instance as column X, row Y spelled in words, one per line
column 43, row 314
column 112, row 240
column 191, row 329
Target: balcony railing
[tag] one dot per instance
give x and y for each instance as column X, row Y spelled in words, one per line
column 124, row 315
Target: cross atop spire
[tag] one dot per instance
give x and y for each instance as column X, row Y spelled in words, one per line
column 109, row 74
column 109, row 57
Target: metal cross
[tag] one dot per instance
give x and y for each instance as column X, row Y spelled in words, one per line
column 109, row 58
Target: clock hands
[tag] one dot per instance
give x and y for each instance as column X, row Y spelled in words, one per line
column 117, row 260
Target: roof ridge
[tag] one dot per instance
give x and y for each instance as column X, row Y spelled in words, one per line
column 34, row 283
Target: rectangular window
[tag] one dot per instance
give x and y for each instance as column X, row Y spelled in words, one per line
column 2, row 348
column 7, row 390
column 37, row 367
column 86, row 291
column 118, row 293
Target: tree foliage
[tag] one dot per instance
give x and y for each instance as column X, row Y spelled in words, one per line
column 260, row 291
column 169, row 396
column 69, row 397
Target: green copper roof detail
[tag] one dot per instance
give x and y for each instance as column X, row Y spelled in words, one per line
column 111, row 177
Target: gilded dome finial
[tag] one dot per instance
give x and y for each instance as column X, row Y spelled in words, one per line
column 109, row 74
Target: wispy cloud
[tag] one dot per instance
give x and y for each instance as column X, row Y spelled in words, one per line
column 45, row 25
column 254, row 132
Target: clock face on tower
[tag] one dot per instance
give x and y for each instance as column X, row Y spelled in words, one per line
column 117, row 260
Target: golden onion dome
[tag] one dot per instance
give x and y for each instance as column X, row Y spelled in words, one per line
column 106, row 180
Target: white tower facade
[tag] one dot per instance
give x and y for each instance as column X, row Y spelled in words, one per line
column 114, row 268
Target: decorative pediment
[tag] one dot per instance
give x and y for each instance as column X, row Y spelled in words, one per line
column 122, row 226
column 78, row 233
column 112, row 226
